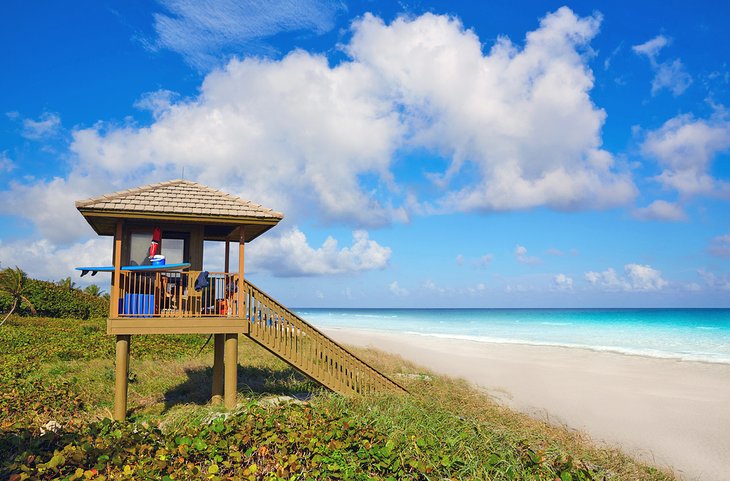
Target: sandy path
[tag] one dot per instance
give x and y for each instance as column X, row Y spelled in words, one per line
column 671, row 413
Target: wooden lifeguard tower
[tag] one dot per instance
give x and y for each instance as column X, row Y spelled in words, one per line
column 181, row 297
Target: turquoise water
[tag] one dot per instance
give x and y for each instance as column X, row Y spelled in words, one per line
column 689, row 334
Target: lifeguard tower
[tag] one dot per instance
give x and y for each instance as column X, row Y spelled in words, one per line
column 181, row 297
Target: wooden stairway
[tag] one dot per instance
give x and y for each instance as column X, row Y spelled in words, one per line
column 300, row 344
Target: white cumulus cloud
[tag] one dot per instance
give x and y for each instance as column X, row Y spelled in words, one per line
column 46, row 126
column 157, row 102
column 638, row 277
column 44, row 260
column 644, row 277
column 484, row 260
column 50, row 206
column 720, row 246
column 317, row 140
column 522, row 256
column 715, row 281
column 522, row 116
column 290, row 255
column 685, row 148
column 670, row 74
column 661, row 210
column 651, row 48
column 6, row 164
column 563, row 282
column 397, row 290
column 481, row 262
column 293, row 134
column 299, row 134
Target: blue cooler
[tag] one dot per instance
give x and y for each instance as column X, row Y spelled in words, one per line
column 138, row 305
column 157, row 260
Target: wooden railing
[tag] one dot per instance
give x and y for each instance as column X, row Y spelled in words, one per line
column 174, row 294
column 303, row 346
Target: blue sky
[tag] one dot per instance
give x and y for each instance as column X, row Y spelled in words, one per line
column 427, row 154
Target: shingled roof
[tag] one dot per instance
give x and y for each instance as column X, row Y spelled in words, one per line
column 177, row 200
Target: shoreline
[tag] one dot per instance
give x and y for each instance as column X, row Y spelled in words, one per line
column 668, row 412
column 609, row 350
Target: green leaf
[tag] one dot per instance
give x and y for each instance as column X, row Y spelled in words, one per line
column 57, row 460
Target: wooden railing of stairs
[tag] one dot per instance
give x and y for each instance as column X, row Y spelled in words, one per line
column 304, row 347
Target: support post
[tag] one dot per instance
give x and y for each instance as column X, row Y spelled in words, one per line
column 116, row 276
column 218, row 342
column 121, row 377
column 227, row 256
column 231, row 368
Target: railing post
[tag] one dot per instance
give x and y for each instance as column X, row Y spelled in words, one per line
column 302, row 345
column 244, row 311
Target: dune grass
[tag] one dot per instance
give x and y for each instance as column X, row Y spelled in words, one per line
column 56, row 395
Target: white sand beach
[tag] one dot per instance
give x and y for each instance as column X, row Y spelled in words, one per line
column 670, row 413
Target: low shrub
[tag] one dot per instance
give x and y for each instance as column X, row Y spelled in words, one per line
column 52, row 300
column 282, row 442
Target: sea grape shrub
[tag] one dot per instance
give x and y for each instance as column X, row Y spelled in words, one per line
column 33, row 403
column 58, row 300
column 284, row 442
column 32, row 392
column 53, row 300
column 6, row 302
column 32, row 342
column 27, row 397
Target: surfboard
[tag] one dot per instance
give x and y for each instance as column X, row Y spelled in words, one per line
column 94, row 269
column 165, row 267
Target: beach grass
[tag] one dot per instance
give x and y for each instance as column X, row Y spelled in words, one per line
column 492, row 427
column 56, row 396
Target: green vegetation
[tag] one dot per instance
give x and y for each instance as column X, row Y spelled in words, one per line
column 14, row 288
column 95, row 291
column 56, row 393
column 49, row 299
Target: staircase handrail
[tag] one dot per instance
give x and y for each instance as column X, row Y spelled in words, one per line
column 324, row 337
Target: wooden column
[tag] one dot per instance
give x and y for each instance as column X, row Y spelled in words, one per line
column 218, row 342
column 241, row 290
column 231, row 368
column 227, row 257
column 218, row 347
column 197, row 244
column 123, row 341
column 121, row 377
column 116, row 276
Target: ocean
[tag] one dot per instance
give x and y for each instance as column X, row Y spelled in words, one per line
column 687, row 334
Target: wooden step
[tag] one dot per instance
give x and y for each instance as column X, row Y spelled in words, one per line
column 304, row 347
